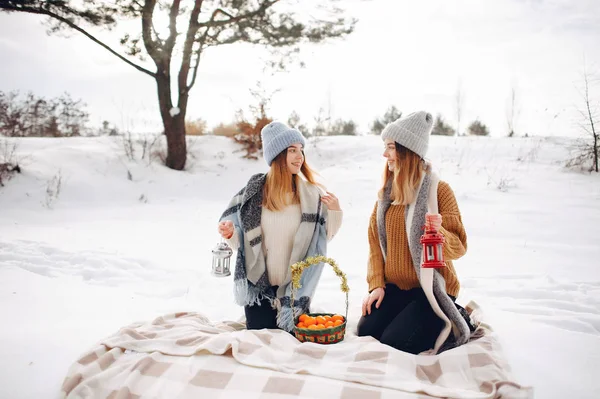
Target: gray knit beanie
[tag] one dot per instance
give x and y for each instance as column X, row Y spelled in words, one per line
column 278, row 136
column 411, row 132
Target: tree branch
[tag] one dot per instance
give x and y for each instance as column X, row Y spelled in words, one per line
column 584, row 127
column 158, row 39
column 170, row 42
column 187, row 55
column 220, row 10
column 212, row 23
column 153, row 48
column 201, row 42
column 587, row 103
column 72, row 25
column 196, row 64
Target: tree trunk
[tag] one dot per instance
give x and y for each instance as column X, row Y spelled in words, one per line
column 174, row 125
column 176, row 145
column 596, row 152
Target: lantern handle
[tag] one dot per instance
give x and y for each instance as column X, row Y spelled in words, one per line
column 298, row 268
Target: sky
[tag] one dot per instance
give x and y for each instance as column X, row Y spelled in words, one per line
column 414, row 55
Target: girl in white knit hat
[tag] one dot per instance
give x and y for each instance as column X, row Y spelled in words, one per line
column 396, row 311
column 276, row 220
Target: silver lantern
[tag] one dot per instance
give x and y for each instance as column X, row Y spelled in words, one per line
column 221, row 260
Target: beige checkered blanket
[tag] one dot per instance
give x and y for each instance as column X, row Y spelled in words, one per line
column 184, row 355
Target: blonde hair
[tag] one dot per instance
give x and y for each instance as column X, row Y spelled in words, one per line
column 407, row 174
column 280, row 188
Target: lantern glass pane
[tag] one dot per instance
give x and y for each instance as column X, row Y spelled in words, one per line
column 430, row 252
column 439, row 251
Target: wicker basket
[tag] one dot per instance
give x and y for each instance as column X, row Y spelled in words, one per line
column 329, row 335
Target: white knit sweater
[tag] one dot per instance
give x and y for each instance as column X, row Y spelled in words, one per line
column 278, row 231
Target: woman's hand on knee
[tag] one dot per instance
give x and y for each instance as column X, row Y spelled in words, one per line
column 375, row 296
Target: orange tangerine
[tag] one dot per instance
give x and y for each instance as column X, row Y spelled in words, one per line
column 320, row 326
column 338, row 323
column 321, row 320
column 312, row 327
column 310, row 321
column 329, row 324
column 301, row 325
column 302, row 317
column 337, row 317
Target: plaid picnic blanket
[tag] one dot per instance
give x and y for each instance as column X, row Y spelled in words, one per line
column 184, row 355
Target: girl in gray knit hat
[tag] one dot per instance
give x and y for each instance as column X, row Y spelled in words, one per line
column 398, row 310
column 277, row 219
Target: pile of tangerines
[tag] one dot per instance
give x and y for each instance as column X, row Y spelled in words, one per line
column 319, row 322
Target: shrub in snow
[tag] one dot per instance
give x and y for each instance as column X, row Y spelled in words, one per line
column 584, row 156
column 32, row 116
column 249, row 132
column 441, row 128
column 476, row 128
column 195, row 128
column 226, row 130
column 9, row 164
column 6, row 172
column 343, row 128
column 380, row 123
column 249, row 136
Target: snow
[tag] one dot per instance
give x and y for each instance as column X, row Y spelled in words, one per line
column 126, row 240
column 174, row 111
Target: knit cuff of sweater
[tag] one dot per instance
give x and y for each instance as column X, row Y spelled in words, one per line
column 376, row 282
column 453, row 247
column 334, row 222
column 234, row 241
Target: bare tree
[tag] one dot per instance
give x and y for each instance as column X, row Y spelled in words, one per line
column 590, row 118
column 322, row 124
column 11, row 114
column 71, row 116
column 275, row 24
column 36, row 116
column 459, row 99
column 295, row 122
column 249, row 131
column 512, row 110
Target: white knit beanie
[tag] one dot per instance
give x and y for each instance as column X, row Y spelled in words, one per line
column 411, row 132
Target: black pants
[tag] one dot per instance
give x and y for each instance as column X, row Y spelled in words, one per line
column 404, row 320
column 263, row 315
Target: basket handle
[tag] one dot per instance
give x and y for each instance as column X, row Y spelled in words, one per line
column 298, row 269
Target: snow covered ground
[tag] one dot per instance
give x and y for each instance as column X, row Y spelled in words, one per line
column 125, row 241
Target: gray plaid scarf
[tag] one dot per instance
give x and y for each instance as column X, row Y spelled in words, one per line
column 251, row 281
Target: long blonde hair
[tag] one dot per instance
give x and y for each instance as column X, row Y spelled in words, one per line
column 407, row 174
column 280, row 188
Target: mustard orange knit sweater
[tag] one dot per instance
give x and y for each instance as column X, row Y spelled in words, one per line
column 399, row 268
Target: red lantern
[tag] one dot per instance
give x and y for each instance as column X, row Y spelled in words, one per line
column 433, row 248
